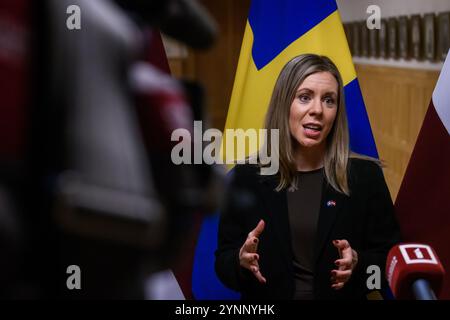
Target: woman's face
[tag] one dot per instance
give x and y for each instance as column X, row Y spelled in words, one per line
column 314, row 109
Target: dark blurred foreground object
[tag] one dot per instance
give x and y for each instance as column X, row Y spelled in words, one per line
column 184, row 20
column 15, row 100
column 99, row 192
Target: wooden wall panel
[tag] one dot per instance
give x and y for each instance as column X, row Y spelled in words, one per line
column 216, row 67
column 177, row 67
column 396, row 100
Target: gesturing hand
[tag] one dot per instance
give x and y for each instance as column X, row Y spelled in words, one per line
column 248, row 257
column 346, row 264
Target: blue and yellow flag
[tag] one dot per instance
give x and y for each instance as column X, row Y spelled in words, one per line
column 277, row 31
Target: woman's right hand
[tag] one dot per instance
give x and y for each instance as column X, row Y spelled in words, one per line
column 248, row 257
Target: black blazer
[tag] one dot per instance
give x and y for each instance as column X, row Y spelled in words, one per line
column 365, row 218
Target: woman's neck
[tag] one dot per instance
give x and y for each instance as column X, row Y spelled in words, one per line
column 308, row 159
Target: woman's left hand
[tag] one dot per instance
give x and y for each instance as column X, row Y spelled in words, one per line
column 346, row 264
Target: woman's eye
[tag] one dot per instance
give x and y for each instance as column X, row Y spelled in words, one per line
column 304, row 98
column 329, row 101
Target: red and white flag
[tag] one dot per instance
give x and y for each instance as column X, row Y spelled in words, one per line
column 423, row 202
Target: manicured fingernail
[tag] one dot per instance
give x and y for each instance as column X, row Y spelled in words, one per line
column 255, row 257
column 255, row 240
column 337, row 263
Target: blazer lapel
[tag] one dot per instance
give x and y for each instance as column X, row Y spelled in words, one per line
column 277, row 215
column 330, row 206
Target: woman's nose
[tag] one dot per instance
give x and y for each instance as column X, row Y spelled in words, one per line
column 316, row 107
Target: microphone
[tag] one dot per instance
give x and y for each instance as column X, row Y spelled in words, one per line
column 414, row 271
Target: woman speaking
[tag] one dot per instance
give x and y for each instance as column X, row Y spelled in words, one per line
column 311, row 230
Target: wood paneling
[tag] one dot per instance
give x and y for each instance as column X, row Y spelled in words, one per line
column 177, row 67
column 396, row 100
column 216, row 67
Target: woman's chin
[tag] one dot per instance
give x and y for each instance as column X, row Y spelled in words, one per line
column 309, row 143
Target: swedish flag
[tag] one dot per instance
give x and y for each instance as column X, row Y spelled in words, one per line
column 277, row 31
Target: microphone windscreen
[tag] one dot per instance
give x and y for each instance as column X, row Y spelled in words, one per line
column 411, row 261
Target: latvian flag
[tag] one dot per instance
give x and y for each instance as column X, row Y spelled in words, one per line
column 423, row 203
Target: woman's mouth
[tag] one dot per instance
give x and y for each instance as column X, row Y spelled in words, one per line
column 312, row 130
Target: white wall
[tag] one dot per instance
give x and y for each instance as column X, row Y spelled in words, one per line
column 352, row 10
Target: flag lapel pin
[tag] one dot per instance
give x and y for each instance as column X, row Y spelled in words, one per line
column 331, row 203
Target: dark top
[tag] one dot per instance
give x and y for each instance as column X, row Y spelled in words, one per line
column 303, row 209
column 365, row 218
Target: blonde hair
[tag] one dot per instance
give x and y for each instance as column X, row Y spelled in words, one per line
column 277, row 117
